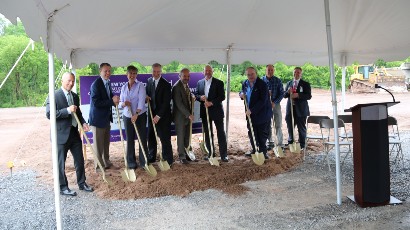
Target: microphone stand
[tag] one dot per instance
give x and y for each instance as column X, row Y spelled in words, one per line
column 378, row 86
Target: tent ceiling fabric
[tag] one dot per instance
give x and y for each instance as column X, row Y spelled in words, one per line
column 261, row 31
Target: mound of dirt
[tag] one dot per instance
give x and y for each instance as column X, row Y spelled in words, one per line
column 181, row 180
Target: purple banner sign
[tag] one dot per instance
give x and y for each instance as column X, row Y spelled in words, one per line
column 117, row 81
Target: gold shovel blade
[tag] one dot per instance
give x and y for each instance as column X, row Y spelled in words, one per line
column 203, row 149
column 124, row 175
column 163, row 165
column 213, row 161
column 150, row 170
column 278, row 152
column 190, row 154
column 294, row 148
column 258, row 158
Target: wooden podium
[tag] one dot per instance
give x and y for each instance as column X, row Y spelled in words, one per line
column 371, row 154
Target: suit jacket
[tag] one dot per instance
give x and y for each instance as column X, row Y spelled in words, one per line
column 216, row 95
column 181, row 106
column 100, row 105
column 162, row 97
column 301, row 106
column 63, row 119
column 259, row 104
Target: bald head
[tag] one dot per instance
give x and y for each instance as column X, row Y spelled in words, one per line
column 67, row 81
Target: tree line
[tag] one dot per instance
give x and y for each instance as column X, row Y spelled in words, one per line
column 28, row 83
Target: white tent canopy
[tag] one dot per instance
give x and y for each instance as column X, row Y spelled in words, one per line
column 192, row 32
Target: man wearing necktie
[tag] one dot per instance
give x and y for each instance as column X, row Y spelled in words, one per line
column 182, row 102
column 299, row 91
column 68, row 138
column 101, row 102
column 159, row 96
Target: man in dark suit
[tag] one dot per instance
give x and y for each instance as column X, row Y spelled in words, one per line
column 159, row 97
column 68, row 138
column 102, row 100
column 299, row 91
column 210, row 93
column 255, row 92
column 182, row 103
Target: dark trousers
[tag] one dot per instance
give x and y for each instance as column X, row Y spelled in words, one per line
column 300, row 122
column 75, row 146
column 130, row 134
column 261, row 132
column 219, row 124
column 164, row 133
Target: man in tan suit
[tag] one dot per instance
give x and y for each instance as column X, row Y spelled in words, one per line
column 182, row 101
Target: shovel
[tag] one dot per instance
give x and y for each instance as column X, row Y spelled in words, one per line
column 105, row 177
column 127, row 174
column 163, row 165
column 212, row 160
column 202, row 144
column 276, row 149
column 294, row 147
column 188, row 150
column 258, row 157
column 148, row 167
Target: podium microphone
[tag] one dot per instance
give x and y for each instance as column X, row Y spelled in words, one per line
column 378, row 86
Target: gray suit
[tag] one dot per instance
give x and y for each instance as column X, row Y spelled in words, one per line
column 181, row 111
column 68, row 137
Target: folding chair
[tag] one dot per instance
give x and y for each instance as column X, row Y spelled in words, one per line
column 313, row 136
column 394, row 140
column 327, row 130
column 347, row 119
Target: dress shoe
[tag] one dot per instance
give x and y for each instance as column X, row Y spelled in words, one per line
column 68, row 192
column 225, row 159
column 111, row 166
column 206, row 158
column 266, row 156
column 86, row 187
column 249, row 153
column 184, row 161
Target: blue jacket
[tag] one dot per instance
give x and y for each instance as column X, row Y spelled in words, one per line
column 100, row 105
column 259, row 104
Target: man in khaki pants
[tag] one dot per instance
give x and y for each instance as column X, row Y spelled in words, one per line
column 101, row 102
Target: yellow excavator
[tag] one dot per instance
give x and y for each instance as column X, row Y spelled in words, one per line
column 366, row 76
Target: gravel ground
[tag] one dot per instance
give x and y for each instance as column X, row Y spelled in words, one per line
column 301, row 199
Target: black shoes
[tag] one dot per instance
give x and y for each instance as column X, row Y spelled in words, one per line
column 266, row 156
column 225, row 159
column 86, row 188
column 184, row 161
column 68, row 192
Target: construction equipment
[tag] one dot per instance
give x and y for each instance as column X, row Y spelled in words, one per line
column 366, row 76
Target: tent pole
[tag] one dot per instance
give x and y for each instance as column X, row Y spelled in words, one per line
column 343, row 87
column 334, row 101
column 228, row 88
column 343, row 82
column 53, row 124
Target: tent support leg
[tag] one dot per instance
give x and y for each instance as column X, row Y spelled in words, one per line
column 228, row 89
column 53, row 124
column 334, row 101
